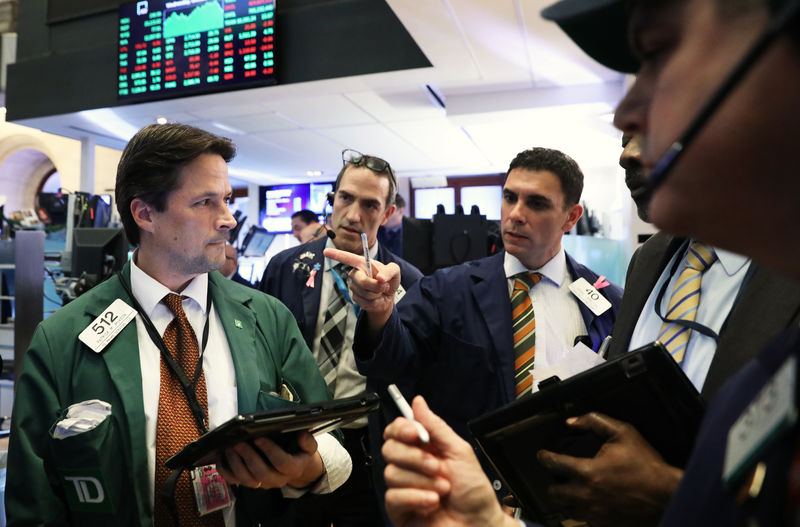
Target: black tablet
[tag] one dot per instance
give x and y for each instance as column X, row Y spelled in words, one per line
column 645, row 387
column 279, row 425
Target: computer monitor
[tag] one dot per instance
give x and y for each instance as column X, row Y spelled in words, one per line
column 277, row 203
column 256, row 242
column 98, row 251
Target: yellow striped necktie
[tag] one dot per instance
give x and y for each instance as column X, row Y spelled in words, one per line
column 685, row 300
column 524, row 330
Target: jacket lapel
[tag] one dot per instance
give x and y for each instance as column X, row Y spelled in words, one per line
column 310, row 296
column 122, row 361
column 490, row 294
column 587, row 314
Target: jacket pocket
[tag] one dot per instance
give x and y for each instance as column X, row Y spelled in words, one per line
column 94, row 476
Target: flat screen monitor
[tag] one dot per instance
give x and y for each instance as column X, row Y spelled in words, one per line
column 169, row 48
column 277, row 203
column 256, row 242
column 98, row 251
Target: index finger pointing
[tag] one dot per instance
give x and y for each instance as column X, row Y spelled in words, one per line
column 346, row 258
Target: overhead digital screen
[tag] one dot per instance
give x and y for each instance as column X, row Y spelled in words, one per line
column 277, row 203
column 177, row 47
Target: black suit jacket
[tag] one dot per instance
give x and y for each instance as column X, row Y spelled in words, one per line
column 767, row 304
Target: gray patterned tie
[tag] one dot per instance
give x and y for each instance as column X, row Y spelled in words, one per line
column 333, row 330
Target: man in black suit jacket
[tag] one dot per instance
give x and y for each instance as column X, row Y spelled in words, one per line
column 308, row 284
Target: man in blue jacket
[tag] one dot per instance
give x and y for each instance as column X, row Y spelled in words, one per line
column 315, row 290
column 452, row 332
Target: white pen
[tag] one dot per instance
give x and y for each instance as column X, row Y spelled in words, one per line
column 405, row 409
column 366, row 255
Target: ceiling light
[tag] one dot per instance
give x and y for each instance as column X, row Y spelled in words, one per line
column 161, row 120
column 313, row 173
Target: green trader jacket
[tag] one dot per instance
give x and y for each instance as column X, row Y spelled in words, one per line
column 100, row 477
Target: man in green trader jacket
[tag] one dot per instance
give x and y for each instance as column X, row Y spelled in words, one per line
column 172, row 192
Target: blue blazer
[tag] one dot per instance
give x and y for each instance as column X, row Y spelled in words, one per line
column 450, row 339
column 285, row 278
column 288, row 271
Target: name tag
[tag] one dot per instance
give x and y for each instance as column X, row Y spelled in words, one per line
column 586, row 293
column 104, row 328
column 211, row 492
column 763, row 421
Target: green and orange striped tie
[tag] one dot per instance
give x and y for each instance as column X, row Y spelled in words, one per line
column 523, row 326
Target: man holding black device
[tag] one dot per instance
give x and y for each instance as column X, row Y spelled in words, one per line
column 202, row 350
column 315, row 289
column 470, row 336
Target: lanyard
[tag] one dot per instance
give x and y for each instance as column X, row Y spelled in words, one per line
column 342, row 286
column 187, row 386
column 696, row 326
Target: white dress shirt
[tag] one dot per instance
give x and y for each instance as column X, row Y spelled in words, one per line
column 219, row 372
column 555, row 308
column 719, row 288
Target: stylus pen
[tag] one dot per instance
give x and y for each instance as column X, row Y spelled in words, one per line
column 366, row 254
column 405, row 409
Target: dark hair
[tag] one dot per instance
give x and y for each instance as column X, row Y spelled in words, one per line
column 365, row 162
column 399, row 201
column 148, row 168
column 564, row 167
column 306, row 216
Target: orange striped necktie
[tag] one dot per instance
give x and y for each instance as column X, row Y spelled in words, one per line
column 523, row 326
column 175, row 424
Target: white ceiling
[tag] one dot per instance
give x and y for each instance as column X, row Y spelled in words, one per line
column 509, row 79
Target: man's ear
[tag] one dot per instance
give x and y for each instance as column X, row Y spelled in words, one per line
column 573, row 215
column 388, row 214
column 142, row 214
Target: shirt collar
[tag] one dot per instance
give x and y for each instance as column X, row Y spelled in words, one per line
column 554, row 270
column 731, row 262
column 149, row 292
column 373, row 252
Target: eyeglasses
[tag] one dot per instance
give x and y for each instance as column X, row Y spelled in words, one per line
column 376, row 164
column 373, row 163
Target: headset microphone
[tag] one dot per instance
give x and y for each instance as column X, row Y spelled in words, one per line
column 779, row 23
column 328, row 201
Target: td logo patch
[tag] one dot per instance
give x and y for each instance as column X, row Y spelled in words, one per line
column 87, row 491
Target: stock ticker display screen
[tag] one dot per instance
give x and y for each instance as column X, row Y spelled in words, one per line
column 169, row 48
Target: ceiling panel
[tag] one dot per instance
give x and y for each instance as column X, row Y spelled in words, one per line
column 555, row 59
column 379, row 140
column 435, row 28
column 398, row 105
column 496, row 38
column 323, row 111
column 262, row 122
column 446, row 146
